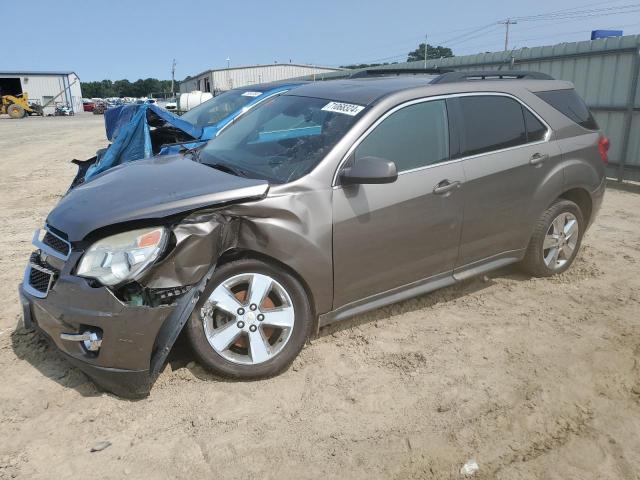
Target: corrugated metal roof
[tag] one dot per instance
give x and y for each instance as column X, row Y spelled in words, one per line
column 20, row 73
column 263, row 66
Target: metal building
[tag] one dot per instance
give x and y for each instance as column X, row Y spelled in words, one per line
column 46, row 88
column 605, row 73
column 237, row 77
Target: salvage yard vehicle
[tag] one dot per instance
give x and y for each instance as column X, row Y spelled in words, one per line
column 63, row 110
column 19, row 106
column 88, row 105
column 327, row 201
column 139, row 133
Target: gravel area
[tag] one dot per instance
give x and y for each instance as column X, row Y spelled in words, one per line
column 531, row 378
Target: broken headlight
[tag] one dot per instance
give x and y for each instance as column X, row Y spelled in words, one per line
column 122, row 257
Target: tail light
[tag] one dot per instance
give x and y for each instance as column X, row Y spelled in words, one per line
column 603, row 148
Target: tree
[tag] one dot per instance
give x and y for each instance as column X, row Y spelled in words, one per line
column 122, row 88
column 125, row 88
column 432, row 52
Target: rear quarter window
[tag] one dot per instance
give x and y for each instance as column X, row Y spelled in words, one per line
column 569, row 103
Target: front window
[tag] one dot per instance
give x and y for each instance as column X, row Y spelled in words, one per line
column 413, row 137
column 282, row 140
column 220, row 107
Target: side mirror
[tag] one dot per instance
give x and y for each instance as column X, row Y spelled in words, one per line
column 369, row 170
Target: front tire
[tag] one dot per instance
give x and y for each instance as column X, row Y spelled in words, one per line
column 16, row 111
column 251, row 321
column 556, row 240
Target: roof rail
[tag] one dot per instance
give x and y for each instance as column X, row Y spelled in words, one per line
column 381, row 72
column 452, row 77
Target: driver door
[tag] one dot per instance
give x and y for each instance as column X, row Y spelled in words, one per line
column 389, row 235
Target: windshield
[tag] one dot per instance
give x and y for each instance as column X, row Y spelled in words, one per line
column 219, row 108
column 282, row 140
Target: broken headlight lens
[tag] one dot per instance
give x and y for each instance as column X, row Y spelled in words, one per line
column 122, row 257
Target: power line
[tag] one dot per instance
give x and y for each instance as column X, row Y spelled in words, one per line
column 519, row 40
column 568, row 14
column 576, row 13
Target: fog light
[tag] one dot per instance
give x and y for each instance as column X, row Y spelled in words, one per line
column 91, row 340
column 92, row 343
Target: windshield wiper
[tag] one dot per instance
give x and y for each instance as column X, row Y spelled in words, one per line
column 194, row 152
column 223, row 167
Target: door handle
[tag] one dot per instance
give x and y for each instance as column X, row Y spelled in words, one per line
column 538, row 158
column 445, row 186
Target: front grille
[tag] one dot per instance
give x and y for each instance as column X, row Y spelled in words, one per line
column 56, row 243
column 40, row 276
column 39, row 279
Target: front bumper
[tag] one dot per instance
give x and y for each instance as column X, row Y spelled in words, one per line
column 135, row 339
column 123, row 363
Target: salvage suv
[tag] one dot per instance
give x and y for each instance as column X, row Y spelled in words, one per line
column 327, row 201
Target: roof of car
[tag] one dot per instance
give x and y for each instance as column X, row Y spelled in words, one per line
column 264, row 87
column 361, row 91
column 366, row 91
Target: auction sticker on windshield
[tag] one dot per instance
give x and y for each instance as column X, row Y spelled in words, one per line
column 251, row 94
column 345, row 108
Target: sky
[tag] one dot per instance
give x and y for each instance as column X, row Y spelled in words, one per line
column 133, row 39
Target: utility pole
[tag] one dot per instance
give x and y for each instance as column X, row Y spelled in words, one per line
column 506, row 23
column 173, row 75
column 426, row 47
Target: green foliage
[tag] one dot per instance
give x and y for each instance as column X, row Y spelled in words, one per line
column 124, row 88
column 432, row 52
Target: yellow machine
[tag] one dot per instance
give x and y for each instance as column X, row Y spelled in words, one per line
column 18, row 106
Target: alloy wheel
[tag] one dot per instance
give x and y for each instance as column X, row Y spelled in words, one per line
column 248, row 318
column 560, row 241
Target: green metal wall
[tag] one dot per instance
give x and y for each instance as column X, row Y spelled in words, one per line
column 605, row 73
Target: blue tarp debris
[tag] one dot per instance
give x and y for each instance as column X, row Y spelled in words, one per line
column 128, row 128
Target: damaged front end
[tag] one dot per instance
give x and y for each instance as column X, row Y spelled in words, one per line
column 119, row 326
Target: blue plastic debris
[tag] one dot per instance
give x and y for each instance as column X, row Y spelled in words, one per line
column 128, row 127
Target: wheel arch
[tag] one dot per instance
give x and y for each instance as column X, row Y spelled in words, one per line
column 582, row 198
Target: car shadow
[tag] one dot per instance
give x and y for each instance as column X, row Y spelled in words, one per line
column 443, row 295
column 36, row 349
column 623, row 186
column 39, row 351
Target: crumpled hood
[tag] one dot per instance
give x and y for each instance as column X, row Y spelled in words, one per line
column 148, row 189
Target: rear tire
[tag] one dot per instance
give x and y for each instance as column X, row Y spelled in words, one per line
column 237, row 336
column 556, row 240
column 16, row 111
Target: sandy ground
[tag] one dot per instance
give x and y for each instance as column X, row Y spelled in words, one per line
column 532, row 378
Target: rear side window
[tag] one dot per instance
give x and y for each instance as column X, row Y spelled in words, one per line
column 569, row 103
column 412, row 137
column 491, row 123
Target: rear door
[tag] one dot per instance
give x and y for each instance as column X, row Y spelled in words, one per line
column 390, row 235
column 507, row 160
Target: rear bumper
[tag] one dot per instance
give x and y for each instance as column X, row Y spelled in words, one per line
column 597, row 196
